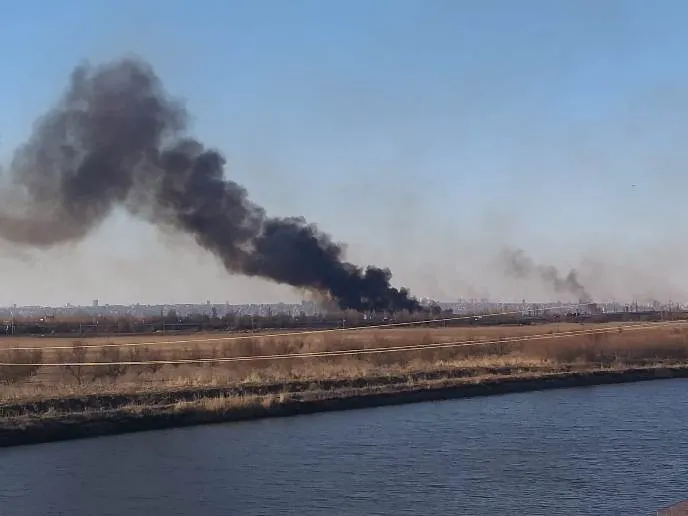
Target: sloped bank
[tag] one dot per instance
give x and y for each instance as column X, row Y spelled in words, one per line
column 31, row 427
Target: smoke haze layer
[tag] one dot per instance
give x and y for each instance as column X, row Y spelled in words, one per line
column 116, row 138
column 519, row 265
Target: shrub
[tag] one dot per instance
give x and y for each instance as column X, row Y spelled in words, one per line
column 73, row 357
column 28, row 363
column 113, row 370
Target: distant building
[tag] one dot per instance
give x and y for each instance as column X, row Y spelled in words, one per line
column 593, row 308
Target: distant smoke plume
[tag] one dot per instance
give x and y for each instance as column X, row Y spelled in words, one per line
column 519, row 265
column 117, row 139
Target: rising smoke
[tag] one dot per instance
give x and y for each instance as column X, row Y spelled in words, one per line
column 116, row 138
column 519, row 265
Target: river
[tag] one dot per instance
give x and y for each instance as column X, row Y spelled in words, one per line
column 607, row 450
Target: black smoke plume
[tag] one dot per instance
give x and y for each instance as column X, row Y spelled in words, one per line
column 519, row 265
column 116, row 138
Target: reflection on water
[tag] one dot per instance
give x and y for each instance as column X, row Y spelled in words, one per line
column 590, row 451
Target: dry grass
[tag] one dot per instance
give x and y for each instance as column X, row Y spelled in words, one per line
column 623, row 346
column 225, row 404
column 53, row 393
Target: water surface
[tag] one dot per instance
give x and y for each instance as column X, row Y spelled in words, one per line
column 608, row 450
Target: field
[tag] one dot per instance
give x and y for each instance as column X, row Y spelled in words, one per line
column 52, row 379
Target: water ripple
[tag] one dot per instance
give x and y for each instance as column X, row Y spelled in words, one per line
column 589, row 451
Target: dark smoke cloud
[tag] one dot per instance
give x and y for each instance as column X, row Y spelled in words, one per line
column 519, row 265
column 117, row 139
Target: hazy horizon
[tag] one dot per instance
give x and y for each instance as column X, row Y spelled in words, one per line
column 427, row 136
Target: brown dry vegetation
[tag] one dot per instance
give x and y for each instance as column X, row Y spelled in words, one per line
column 48, row 393
column 487, row 349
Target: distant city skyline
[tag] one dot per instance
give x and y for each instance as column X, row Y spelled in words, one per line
column 459, row 303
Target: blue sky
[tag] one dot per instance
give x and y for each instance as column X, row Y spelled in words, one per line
column 425, row 134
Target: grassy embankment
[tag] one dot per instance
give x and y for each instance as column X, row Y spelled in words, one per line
column 42, row 401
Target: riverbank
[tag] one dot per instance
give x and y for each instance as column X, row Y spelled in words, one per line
column 63, row 418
